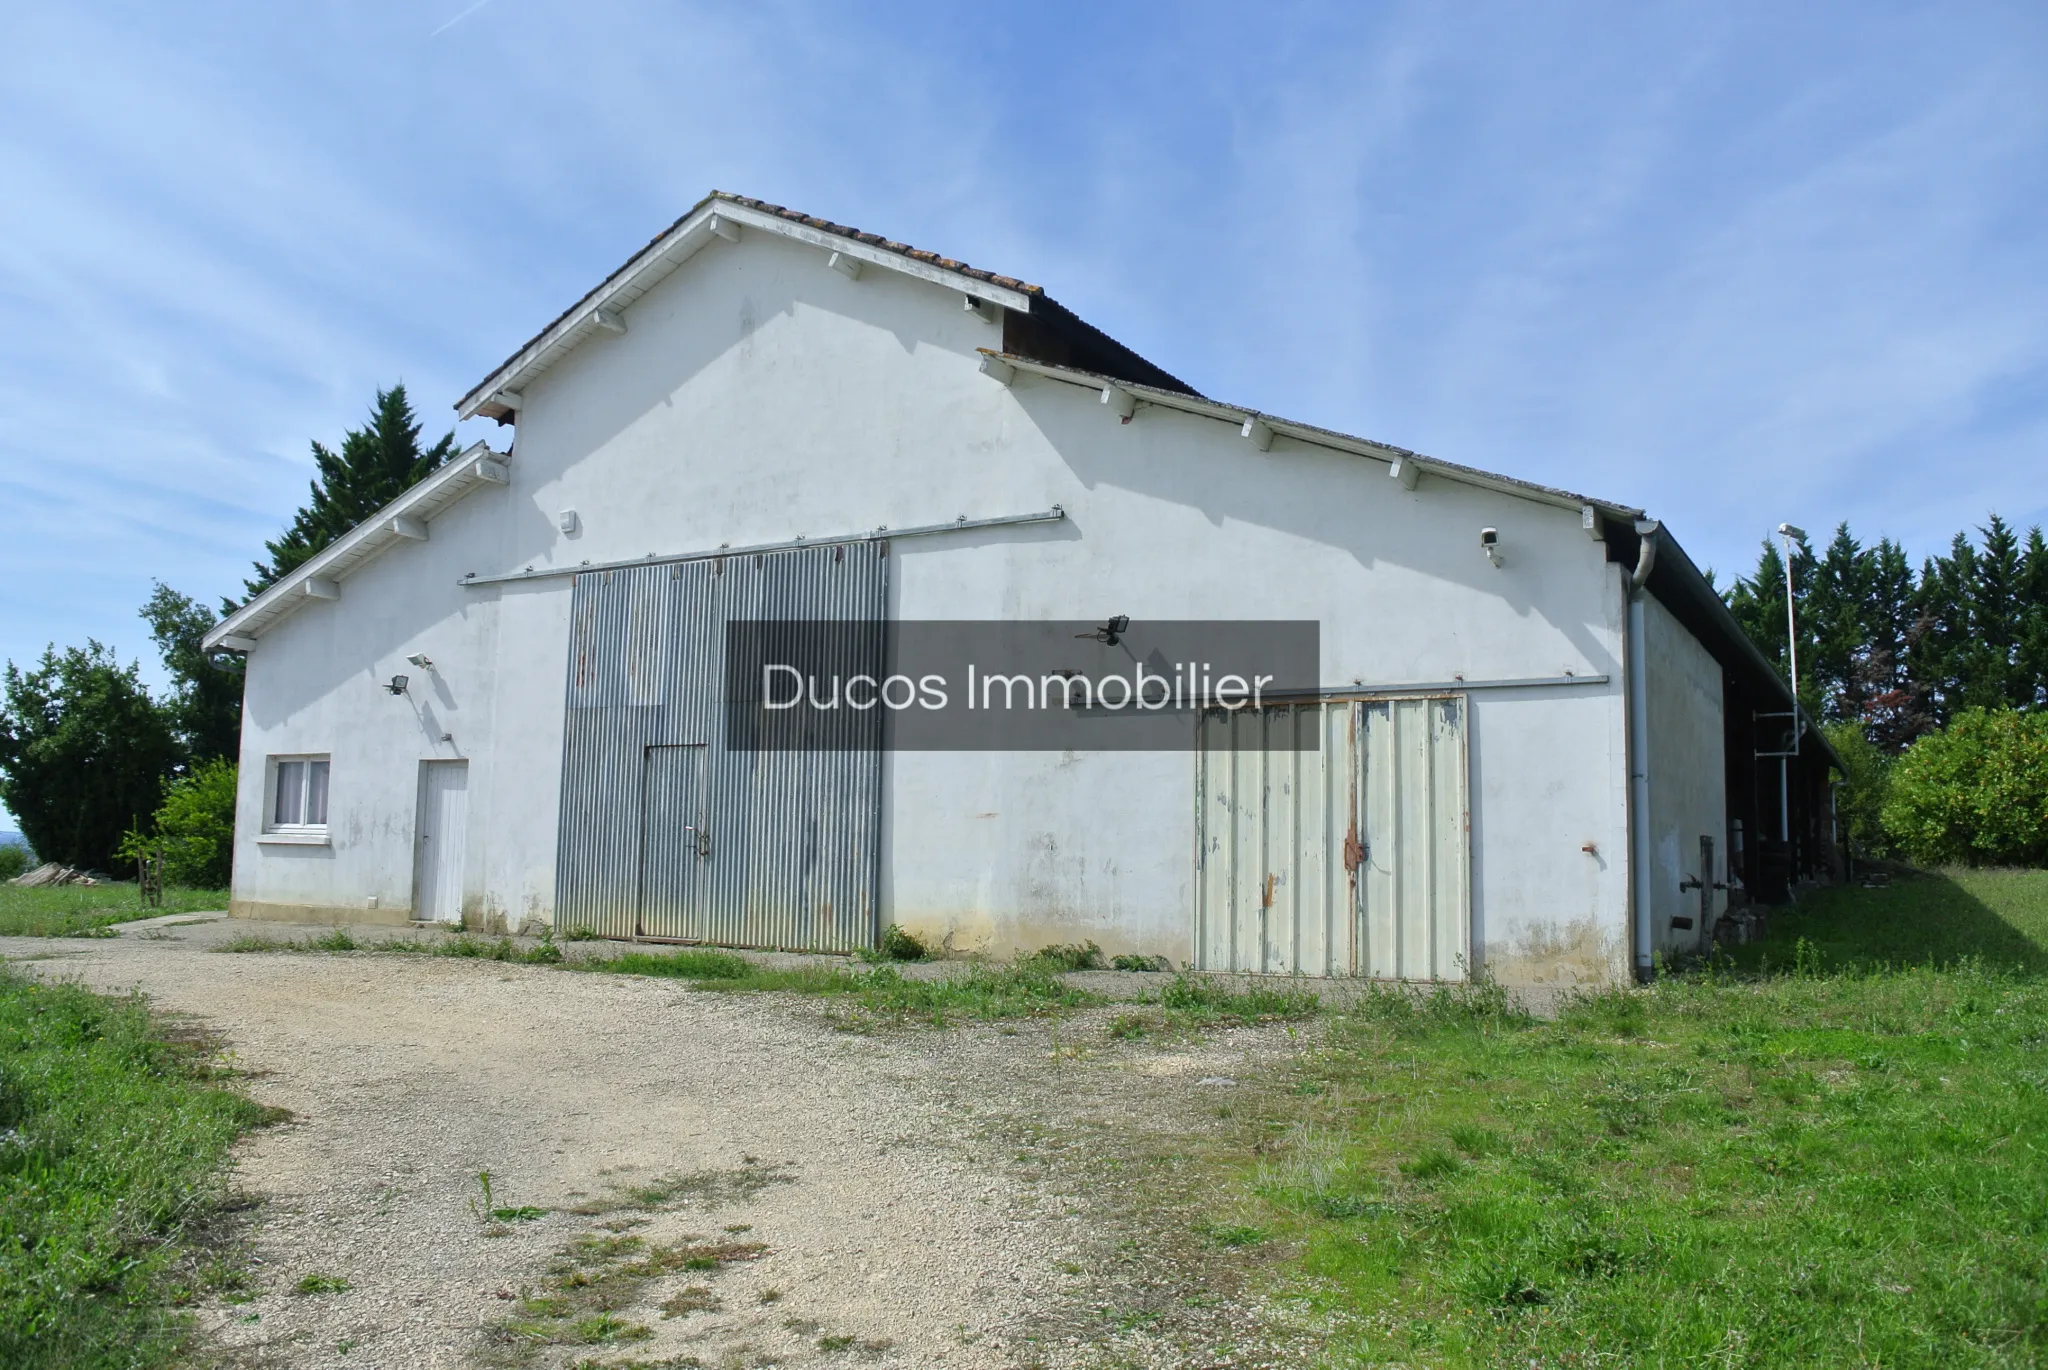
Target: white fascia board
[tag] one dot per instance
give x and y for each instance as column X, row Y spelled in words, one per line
column 877, row 256
column 681, row 243
column 1326, row 438
column 313, row 578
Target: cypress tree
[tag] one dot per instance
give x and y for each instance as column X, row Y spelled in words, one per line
column 374, row 466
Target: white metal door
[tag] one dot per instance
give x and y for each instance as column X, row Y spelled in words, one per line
column 443, row 838
column 1333, row 839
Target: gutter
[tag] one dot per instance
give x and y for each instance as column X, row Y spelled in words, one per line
column 1638, row 697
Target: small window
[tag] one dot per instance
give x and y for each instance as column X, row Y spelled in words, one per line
column 298, row 793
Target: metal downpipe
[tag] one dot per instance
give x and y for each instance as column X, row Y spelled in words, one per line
column 1639, row 752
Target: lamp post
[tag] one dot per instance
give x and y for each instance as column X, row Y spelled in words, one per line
column 1789, row 534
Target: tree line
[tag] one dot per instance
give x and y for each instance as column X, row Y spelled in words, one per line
column 1902, row 652
column 1930, row 682
column 92, row 765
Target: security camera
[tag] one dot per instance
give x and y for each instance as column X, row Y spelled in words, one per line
column 1489, row 544
column 421, row 660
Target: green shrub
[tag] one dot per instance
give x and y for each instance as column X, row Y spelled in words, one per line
column 1975, row 793
column 13, row 860
column 194, row 827
column 1865, row 784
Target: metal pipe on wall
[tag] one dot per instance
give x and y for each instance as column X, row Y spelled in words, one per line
column 1639, row 750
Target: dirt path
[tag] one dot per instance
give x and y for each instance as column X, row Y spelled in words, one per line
column 913, row 1197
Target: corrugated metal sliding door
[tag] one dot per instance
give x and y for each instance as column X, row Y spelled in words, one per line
column 1350, row 857
column 665, row 833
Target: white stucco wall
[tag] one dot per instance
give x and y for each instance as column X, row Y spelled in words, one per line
column 1688, row 778
column 759, row 395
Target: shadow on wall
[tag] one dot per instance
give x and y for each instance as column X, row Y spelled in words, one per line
column 1343, row 502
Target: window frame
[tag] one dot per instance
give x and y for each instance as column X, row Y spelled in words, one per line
column 275, row 788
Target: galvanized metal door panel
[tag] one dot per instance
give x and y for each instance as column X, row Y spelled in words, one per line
column 1272, row 822
column 792, row 838
column 1346, row 855
column 443, row 829
column 673, row 844
column 1415, row 888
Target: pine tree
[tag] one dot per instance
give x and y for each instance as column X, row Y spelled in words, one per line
column 1940, row 657
column 1838, row 611
column 1758, row 604
column 1894, row 703
column 2032, row 655
column 375, row 465
column 1990, row 676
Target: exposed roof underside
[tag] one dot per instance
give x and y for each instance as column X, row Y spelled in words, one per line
column 405, row 519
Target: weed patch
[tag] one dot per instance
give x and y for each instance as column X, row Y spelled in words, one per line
column 113, row 1138
column 690, row 963
column 598, row 1276
column 321, row 1284
column 1194, row 1000
column 899, row 944
column 463, row 946
column 882, row 995
column 1069, row 956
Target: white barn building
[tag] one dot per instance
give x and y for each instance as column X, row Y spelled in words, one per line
column 1546, row 750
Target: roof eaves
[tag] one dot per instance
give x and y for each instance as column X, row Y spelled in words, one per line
column 1677, row 574
column 1321, row 437
column 433, row 493
column 681, row 240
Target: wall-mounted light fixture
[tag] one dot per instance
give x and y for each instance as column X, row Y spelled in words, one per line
column 421, row 660
column 397, row 685
column 1110, row 633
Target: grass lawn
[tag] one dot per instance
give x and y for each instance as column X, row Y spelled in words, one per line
column 112, row 1145
column 1998, row 917
column 81, row 911
column 1842, row 1160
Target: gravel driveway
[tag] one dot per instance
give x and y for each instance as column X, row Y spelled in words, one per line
column 757, row 1187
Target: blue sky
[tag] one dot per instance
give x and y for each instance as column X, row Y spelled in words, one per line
column 1734, row 263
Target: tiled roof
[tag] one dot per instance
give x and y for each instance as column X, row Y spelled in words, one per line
column 875, row 240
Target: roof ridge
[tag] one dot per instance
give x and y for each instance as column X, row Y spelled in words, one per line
column 877, row 240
